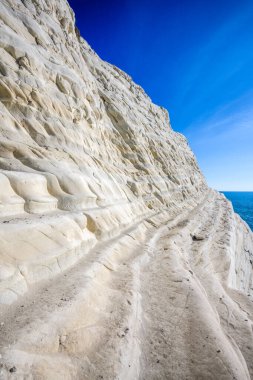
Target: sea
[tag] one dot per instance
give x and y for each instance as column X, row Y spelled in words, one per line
column 242, row 202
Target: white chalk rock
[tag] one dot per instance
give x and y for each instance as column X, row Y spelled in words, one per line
column 116, row 259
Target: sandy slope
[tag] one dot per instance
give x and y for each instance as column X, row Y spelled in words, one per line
column 152, row 303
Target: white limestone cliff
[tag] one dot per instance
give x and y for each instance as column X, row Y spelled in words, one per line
column 116, row 259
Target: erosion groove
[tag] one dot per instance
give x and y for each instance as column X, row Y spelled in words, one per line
column 116, row 259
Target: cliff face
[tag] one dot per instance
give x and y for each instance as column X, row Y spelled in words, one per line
column 116, row 260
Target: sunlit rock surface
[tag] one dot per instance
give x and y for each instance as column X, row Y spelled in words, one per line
column 116, row 259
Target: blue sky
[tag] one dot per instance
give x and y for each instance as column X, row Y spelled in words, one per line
column 194, row 58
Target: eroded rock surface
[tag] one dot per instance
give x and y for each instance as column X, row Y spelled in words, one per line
column 116, row 259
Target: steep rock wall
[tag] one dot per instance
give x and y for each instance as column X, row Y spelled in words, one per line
column 80, row 141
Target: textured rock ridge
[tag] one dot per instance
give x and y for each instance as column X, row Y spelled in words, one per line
column 116, row 259
column 79, row 138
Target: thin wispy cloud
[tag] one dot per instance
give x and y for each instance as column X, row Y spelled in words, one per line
column 226, row 118
column 224, row 145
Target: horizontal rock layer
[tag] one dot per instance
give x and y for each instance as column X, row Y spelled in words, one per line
column 116, row 259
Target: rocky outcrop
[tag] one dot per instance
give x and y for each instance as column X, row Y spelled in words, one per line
column 116, row 259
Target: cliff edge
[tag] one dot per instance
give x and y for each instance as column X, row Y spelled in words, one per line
column 116, row 259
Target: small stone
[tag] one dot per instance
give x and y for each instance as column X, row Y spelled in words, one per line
column 218, row 351
column 13, row 369
column 197, row 238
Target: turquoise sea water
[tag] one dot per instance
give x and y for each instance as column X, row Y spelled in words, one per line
column 243, row 204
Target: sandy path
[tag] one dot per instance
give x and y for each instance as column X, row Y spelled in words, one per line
column 149, row 304
column 194, row 328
